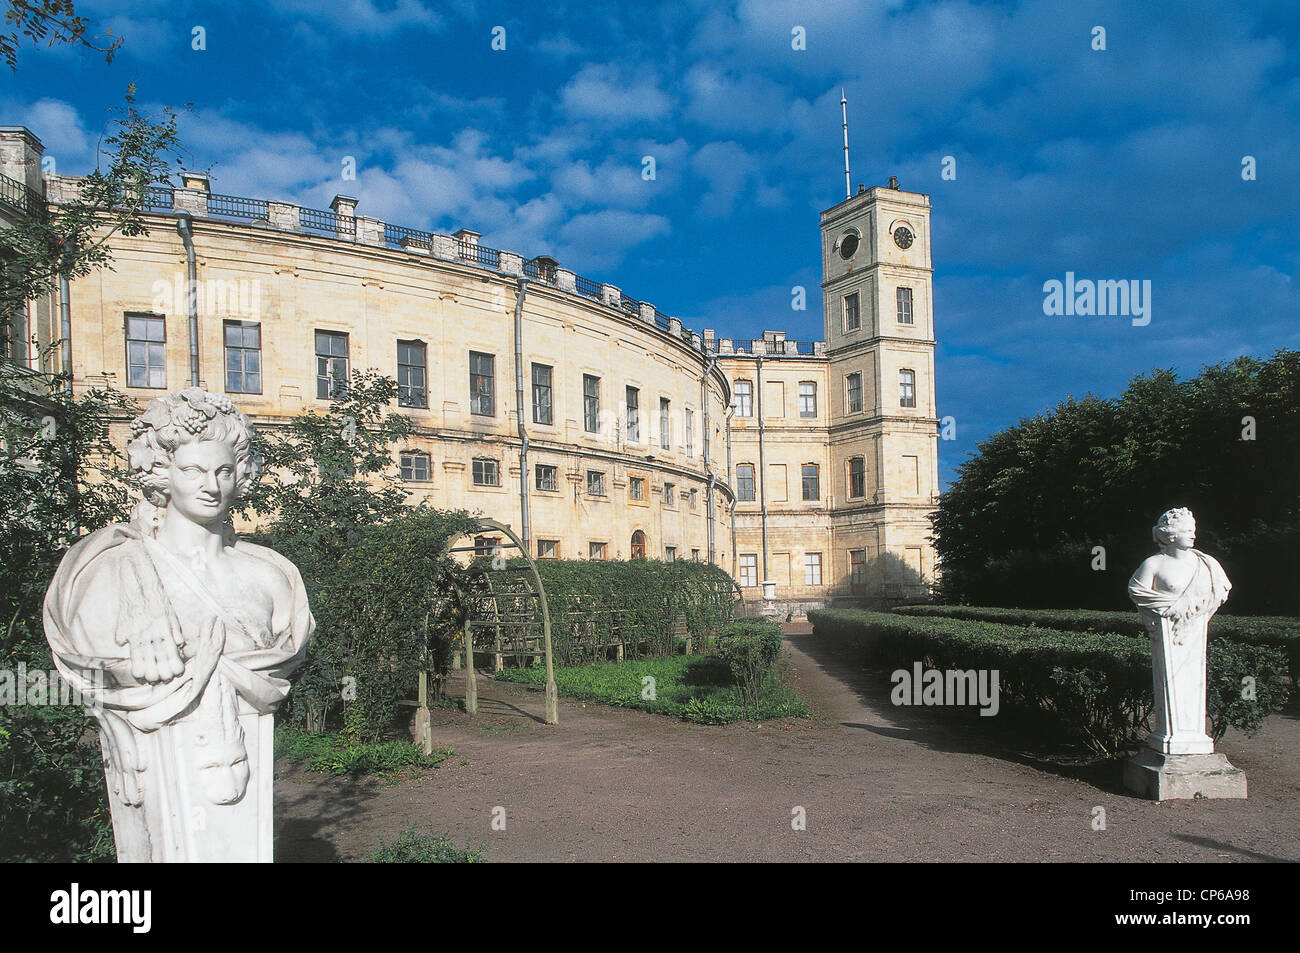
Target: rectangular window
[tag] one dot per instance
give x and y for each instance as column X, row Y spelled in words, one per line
column 905, row 306
column 695, row 555
column 745, row 482
column 636, row 488
column 854, row 386
column 482, row 387
column 812, row 569
column 812, row 483
column 548, row 549
column 807, row 398
column 906, row 388
column 596, row 482
column 331, row 364
column 749, row 569
column 416, row 466
column 633, row 399
column 670, row 494
column 695, row 494
column 690, row 432
column 590, row 403
column 243, row 344
column 744, row 399
column 542, row 403
column 412, row 382
column 146, row 344
column 857, row 478
column 858, row 571
column 595, row 550
column 486, row 472
column 665, row 424
column 852, row 312
column 670, row 553
column 547, row 477
column 487, row 545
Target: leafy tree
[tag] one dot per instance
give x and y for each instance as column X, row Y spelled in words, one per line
column 54, row 21
column 1020, row 525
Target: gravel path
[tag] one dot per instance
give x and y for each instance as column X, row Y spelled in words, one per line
column 875, row 782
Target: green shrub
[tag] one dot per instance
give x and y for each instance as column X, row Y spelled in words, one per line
column 415, row 846
column 696, row 688
column 1095, row 685
column 1277, row 631
column 384, row 605
column 333, row 753
column 750, row 648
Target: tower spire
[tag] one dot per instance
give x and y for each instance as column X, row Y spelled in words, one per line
column 844, row 110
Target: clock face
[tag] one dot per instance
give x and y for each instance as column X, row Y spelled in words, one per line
column 903, row 237
column 848, row 245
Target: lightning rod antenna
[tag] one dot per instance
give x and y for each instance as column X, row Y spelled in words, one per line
column 844, row 109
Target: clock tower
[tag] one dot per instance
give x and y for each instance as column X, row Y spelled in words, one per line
column 879, row 319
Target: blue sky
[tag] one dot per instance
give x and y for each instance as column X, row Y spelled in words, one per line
column 1118, row 164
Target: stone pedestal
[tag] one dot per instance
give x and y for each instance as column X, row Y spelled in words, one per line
column 1165, row 777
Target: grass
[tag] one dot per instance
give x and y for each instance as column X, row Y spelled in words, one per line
column 332, row 753
column 415, row 846
column 696, row 688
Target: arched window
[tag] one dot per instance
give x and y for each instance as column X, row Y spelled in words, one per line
column 638, row 545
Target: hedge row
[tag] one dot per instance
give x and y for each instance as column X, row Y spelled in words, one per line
column 1278, row 631
column 640, row 604
column 1096, row 685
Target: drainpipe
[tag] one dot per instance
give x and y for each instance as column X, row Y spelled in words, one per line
column 65, row 332
column 525, row 534
column 731, row 409
column 708, row 462
column 762, row 470
column 191, row 294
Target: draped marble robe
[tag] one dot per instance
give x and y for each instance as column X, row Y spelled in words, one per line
column 1178, row 624
column 189, row 762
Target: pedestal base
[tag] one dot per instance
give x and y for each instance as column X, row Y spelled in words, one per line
column 1164, row 777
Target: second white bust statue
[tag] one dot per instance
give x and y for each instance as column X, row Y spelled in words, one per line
column 195, row 633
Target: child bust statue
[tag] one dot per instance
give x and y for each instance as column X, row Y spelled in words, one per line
column 194, row 632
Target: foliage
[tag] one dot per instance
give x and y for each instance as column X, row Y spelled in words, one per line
column 71, row 240
column 597, row 604
column 335, row 472
column 334, row 753
column 1095, row 687
column 60, row 476
column 382, row 598
column 1019, row 524
column 415, row 846
column 55, row 21
column 696, row 688
column 750, row 648
column 1277, row 631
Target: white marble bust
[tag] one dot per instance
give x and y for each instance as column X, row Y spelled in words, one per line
column 195, row 632
column 1177, row 591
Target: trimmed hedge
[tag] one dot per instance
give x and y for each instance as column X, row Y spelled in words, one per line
column 1278, row 631
column 1096, row 685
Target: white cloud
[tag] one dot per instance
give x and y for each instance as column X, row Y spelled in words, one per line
column 601, row 91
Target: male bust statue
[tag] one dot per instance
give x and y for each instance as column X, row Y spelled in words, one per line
column 1177, row 591
column 194, row 631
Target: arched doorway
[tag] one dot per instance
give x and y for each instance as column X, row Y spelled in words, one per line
column 638, row 545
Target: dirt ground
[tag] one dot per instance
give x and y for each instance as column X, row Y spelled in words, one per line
column 875, row 782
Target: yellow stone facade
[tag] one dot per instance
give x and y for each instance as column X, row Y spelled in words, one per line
column 618, row 466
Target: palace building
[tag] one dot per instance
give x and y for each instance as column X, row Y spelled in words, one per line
column 592, row 423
